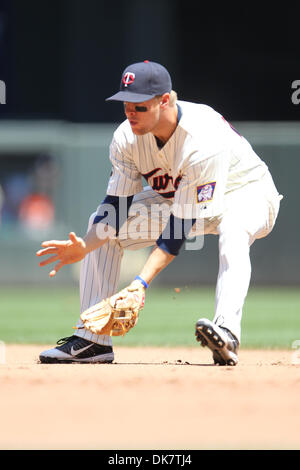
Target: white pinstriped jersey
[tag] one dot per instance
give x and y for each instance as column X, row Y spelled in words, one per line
column 203, row 160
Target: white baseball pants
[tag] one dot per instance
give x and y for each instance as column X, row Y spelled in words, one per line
column 250, row 214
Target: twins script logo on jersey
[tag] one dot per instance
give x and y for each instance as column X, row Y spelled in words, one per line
column 205, row 192
column 160, row 181
column 128, row 78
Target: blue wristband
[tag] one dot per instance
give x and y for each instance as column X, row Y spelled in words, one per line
column 142, row 281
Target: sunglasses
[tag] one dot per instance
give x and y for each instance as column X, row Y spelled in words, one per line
column 139, row 109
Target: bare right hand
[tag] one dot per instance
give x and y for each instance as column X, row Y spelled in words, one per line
column 66, row 252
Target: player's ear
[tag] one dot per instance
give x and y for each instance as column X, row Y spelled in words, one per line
column 164, row 100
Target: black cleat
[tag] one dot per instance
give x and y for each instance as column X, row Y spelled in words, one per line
column 76, row 349
column 220, row 341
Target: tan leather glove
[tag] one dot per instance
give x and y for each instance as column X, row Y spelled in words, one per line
column 117, row 314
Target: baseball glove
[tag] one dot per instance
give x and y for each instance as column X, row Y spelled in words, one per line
column 117, row 314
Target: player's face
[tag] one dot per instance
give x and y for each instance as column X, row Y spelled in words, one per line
column 143, row 117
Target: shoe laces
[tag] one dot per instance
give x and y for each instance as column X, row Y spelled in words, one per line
column 233, row 343
column 64, row 340
column 231, row 335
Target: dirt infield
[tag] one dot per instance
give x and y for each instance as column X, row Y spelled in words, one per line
column 156, row 398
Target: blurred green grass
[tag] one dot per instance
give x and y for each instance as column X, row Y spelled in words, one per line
column 43, row 315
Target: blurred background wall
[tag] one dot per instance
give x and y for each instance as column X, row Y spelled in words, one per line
column 60, row 59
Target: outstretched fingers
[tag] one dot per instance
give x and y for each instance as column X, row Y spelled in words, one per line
column 54, row 243
column 65, row 251
column 56, row 268
column 49, row 260
column 73, row 237
column 46, row 251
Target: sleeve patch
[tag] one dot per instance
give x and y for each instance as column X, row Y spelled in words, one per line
column 205, row 192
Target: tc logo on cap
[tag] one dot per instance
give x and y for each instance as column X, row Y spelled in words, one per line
column 128, row 78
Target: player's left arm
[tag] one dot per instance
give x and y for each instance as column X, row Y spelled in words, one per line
column 158, row 260
column 168, row 246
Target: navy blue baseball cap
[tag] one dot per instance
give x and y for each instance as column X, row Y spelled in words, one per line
column 143, row 81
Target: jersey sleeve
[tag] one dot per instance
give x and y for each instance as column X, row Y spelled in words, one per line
column 174, row 235
column 113, row 211
column 200, row 193
column 125, row 179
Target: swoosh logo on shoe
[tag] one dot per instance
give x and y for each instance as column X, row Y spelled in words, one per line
column 75, row 352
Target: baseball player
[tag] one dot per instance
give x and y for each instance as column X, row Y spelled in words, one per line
column 204, row 174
